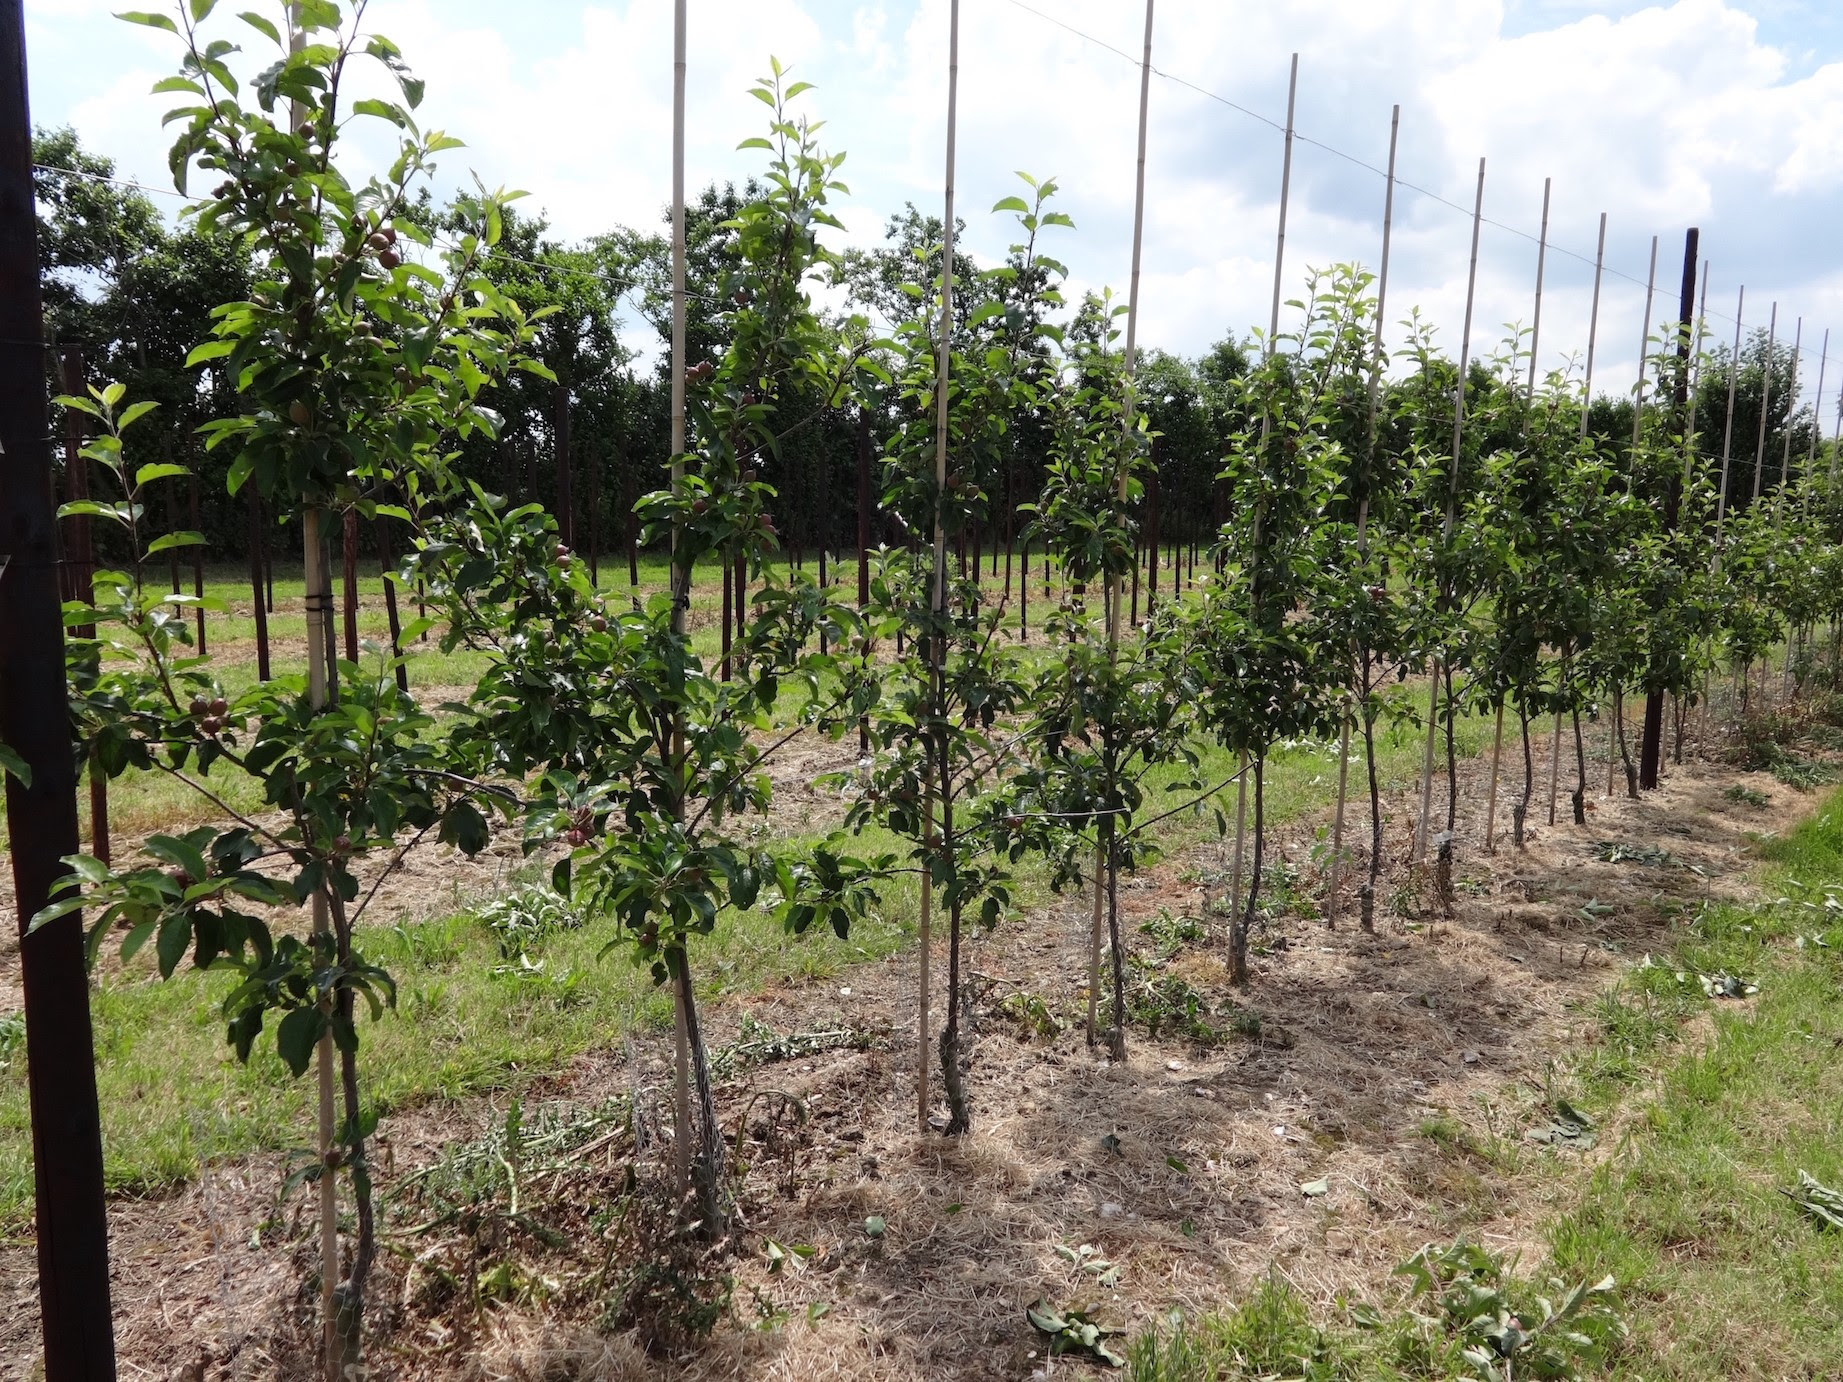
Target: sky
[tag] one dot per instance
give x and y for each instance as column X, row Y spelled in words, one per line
column 1722, row 114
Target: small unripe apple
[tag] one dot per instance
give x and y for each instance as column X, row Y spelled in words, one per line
column 218, row 706
column 299, row 413
column 390, row 235
column 342, row 844
column 211, row 724
column 388, row 260
column 561, row 552
column 574, row 838
column 378, row 240
column 291, row 168
column 199, row 708
column 700, row 506
column 181, row 877
column 599, row 624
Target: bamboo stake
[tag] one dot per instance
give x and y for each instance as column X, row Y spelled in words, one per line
column 1452, row 500
column 1644, row 349
column 1273, row 330
column 1727, row 435
column 1593, row 331
column 1375, row 389
column 1817, row 425
column 1117, row 1044
column 681, row 1018
column 1535, row 345
column 318, row 599
column 1593, row 325
column 1791, row 394
column 1766, row 399
column 940, row 539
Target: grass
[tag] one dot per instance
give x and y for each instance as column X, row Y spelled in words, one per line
column 1713, row 1107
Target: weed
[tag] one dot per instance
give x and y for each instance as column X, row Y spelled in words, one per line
column 1170, row 933
column 1032, row 1013
column 520, row 921
column 1742, row 795
column 12, row 1037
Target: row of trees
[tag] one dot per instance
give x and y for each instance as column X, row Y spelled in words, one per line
column 134, row 291
column 371, row 365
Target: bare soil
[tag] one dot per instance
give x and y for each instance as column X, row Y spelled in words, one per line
column 1360, row 1061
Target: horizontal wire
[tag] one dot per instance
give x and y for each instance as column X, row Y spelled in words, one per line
column 1172, row 77
column 1185, row 82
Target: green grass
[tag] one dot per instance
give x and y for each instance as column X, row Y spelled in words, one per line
column 1720, row 1275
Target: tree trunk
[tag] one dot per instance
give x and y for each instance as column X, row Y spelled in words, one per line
column 1116, row 1037
column 1580, row 763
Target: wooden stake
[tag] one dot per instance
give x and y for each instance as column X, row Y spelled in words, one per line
column 681, row 1086
column 1727, row 434
column 1273, row 330
column 1452, row 501
column 1593, row 331
column 1644, row 351
column 1333, row 892
column 1766, row 398
column 936, row 651
column 1791, row 394
column 1817, row 416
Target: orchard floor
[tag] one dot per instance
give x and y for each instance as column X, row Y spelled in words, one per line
column 1400, row 1070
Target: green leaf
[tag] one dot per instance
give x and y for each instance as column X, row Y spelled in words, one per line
column 15, row 766
column 262, row 26
column 201, row 9
column 158, row 470
column 151, row 21
column 168, row 541
column 465, row 828
column 1011, row 204
column 210, row 350
column 295, row 1038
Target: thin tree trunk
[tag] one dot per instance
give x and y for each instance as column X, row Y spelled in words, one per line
column 1238, row 943
column 1580, row 763
column 1520, row 812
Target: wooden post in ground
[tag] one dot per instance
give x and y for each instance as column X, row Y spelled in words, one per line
column 71, row 1226
column 1273, row 330
column 1446, row 525
column 1766, row 399
column 938, row 595
column 1335, row 887
column 1651, row 744
column 257, row 602
column 1593, row 331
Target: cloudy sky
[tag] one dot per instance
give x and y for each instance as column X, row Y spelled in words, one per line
column 1724, row 114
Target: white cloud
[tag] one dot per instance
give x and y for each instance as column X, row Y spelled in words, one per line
column 1663, row 116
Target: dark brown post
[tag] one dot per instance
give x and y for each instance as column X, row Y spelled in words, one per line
column 381, row 528
column 198, row 567
column 349, row 545
column 633, row 541
column 1151, row 541
column 1651, row 747
column 863, row 507
column 595, row 518
column 72, row 1227
column 566, row 520
column 256, row 599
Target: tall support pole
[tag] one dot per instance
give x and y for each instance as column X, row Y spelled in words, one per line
column 936, row 651
column 317, row 600
column 1791, row 405
column 681, row 599
column 1766, row 398
column 1535, row 346
column 1542, row 257
column 566, row 460
column 1273, row 330
column 1651, row 746
column 258, row 604
column 1644, row 352
column 1727, row 432
column 1817, row 419
column 72, row 1228
column 1593, row 331
column 1369, row 453
column 1104, row 843
column 1593, row 325
column 1452, row 501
